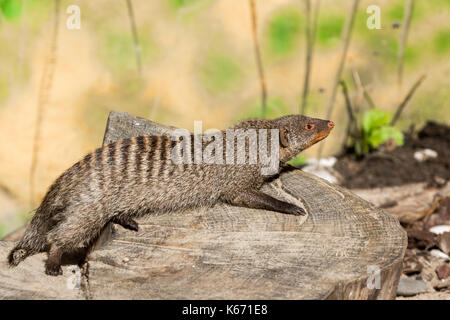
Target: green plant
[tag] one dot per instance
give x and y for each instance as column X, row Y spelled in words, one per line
column 298, row 161
column 376, row 131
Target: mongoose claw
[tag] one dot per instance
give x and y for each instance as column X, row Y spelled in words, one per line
column 295, row 210
column 53, row 270
column 127, row 223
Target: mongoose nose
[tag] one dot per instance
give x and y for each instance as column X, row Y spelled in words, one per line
column 330, row 124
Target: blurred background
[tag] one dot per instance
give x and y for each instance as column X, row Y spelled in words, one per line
column 197, row 62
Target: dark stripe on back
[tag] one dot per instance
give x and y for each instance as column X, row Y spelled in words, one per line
column 140, row 149
column 87, row 161
column 124, row 153
column 192, row 149
column 151, row 154
column 140, row 141
column 163, row 148
column 99, row 158
column 99, row 168
column 163, row 154
column 111, row 153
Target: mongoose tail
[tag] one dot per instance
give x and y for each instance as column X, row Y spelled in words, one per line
column 33, row 240
column 16, row 256
column 24, row 249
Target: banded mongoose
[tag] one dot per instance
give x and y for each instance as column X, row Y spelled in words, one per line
column 133, row 177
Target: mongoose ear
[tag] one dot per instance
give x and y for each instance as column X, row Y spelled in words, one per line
column 284, row 141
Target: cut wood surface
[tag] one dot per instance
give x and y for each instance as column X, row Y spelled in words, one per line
column 228, row 252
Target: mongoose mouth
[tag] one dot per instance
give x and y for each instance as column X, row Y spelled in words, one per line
column 323, row 134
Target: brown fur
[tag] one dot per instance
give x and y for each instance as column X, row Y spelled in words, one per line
column 136, row 176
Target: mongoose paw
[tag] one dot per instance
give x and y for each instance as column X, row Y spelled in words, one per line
column 127, row 223
column 295, row 210
column 132, row 225
column 53, row 270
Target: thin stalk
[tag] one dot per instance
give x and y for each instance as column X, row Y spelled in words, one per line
column 44, row 93
column 346, row 36
column 311, row 27
column 408, row 96
column 409, row 7
column 262, row 79
column 137, row 44
column 351, row 130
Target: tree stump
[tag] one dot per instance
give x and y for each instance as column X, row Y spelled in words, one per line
column 345, row 248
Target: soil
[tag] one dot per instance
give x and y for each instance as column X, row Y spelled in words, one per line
column 398, row 166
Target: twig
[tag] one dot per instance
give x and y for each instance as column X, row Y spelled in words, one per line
column 311, row 27
column 346, row 35
column 258, row 58
column 359, row 89
column 352, row 126
column 369, row 100
column 402, row 105
column 137, row 44
column 348, row 103
column 362, row 92
column 409, row 7
column 44, row 93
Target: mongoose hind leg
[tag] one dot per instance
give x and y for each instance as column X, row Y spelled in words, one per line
column 258, row 200
column 126, row 222
column 53, row 263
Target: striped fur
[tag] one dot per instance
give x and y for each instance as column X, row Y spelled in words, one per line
column 136, row 176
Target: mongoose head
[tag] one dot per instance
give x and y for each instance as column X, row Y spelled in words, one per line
column 299, row 132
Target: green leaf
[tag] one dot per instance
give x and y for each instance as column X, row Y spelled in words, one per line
column 374, row 119
column 11, row 8
column 381, row 135
column 298, row 161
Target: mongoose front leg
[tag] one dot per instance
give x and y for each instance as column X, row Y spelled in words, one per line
column 258, row 200
column 53, row 264
column 126, row 222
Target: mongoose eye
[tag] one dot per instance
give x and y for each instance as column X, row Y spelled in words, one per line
column 309, row 126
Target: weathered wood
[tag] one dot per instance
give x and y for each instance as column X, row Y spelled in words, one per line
column 229, row 252
column 408, row 203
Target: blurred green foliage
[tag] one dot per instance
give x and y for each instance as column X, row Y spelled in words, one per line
column 178, row 4
column 329, row 28
column 2, row 230
column 118, row 50
column 283, row 32
column 275, row 108
column 220, row 72
column 441, row 41
column 11, row 9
